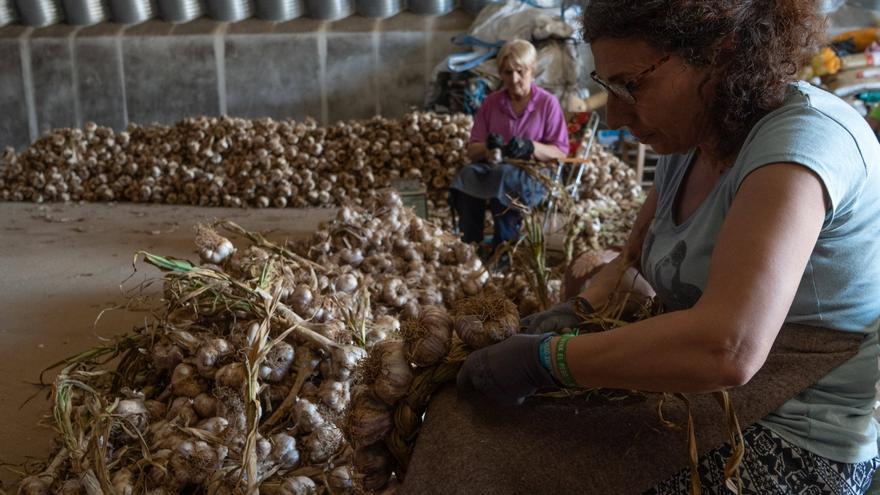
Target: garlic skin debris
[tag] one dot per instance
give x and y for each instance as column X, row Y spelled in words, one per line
column 485, row 319
column 428, row 337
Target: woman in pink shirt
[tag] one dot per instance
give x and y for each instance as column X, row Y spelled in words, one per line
column 520, row 121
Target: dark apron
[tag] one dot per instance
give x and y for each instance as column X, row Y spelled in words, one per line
column 558, row 446
column 500, row 181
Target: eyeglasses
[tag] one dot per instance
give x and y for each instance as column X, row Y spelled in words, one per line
column 624, row 91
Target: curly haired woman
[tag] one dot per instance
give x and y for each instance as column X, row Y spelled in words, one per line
column 764, row 213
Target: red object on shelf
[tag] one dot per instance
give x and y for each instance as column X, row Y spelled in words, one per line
column 576, row 123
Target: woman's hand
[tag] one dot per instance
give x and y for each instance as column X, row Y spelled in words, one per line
column 555, row 319
column 616, row 281
column 508, row 371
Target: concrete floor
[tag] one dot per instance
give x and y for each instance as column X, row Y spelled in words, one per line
column 60, row 265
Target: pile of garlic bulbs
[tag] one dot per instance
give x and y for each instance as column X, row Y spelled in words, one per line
column 401, row 260
column 396, row 380
column 224, row 161
column 177, row 404
column 236, row 162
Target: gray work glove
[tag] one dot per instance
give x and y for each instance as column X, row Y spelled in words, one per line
column 508, row 371
column 519, row 148
column 494, row 141
column 555, row 319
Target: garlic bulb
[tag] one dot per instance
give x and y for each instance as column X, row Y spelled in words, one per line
column 192, row 461
column 411, row 309
column 123, row 482
column 335, row 395
column 284, row 452
column 70, row 487
column 427, row 338
column 368, row 419
column 340, row 480
column 323, row 442
column 215, row 425
column 301, row 300
column 277, row 363
column 395, row 293
column 213, row 248
column 352, row 257
column 134, row 412
column 346, row 282
column 306, row 416
column 182, row 412
column 35, row 485
column 205, row 405
column 232, row 375
column 373, row 465
column 209, row 354
column 186, row 382
column 484, row 320
column 345, row 359
column 387, row 371
column 298, row 485
column 155, row 409
column 264, row 448
column 248, row 263
column 165, row 355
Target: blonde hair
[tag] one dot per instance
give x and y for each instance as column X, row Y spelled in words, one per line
column 520, row 52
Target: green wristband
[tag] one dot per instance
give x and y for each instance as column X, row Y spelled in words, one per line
column 561, row 364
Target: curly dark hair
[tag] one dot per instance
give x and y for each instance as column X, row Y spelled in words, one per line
column 757, row 48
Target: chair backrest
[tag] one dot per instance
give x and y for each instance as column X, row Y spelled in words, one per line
column 569, row 172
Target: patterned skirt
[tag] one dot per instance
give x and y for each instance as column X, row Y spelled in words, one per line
column 772, row 466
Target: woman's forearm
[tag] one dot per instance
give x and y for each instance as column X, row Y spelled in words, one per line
column 667, row 353
column 547, row 152
column 478, row 152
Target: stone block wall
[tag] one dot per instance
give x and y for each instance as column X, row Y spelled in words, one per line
column 62, row 76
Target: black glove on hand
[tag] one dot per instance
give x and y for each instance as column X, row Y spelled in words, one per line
column 555, row 319
column 495, row 141
column 519, row 148
column 508, row 371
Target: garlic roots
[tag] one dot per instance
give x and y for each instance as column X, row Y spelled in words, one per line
column 484, row 320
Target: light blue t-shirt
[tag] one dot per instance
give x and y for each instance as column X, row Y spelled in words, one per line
column 840, row 287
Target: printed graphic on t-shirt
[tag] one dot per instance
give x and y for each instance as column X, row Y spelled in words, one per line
column 675, row 293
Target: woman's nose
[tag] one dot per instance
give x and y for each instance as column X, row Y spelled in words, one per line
column 619, row 114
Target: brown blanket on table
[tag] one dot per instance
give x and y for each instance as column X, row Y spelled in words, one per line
column 469, row 445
